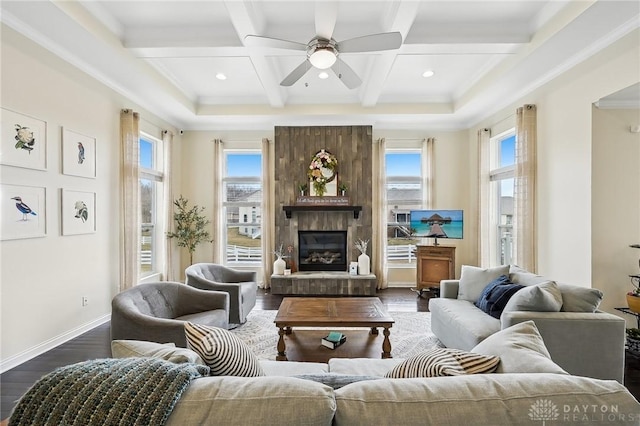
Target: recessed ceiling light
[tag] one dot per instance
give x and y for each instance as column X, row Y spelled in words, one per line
column 428, row 73
column 221, row 76
column 323, row 75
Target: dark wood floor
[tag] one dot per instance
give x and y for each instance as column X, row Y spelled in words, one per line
column 96, row 344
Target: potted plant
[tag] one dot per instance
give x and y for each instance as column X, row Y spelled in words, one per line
column 190, row 226
column 342, row 188
column 302, row 187
column 633, row 299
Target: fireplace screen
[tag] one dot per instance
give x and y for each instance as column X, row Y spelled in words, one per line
column 322, row 250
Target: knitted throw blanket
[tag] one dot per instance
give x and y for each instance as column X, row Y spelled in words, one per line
column 127, row 391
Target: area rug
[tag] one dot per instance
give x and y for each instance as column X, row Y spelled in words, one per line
column 410, row 334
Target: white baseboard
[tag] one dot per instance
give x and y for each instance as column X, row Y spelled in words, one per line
column 22, row 357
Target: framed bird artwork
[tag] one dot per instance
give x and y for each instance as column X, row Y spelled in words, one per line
column 23, row 140
column 23, row 212
column 78, row 154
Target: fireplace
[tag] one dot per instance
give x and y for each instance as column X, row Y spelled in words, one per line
column 322, row 250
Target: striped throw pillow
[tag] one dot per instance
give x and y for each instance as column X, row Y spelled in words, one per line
column 223, row 352
column 444, row 362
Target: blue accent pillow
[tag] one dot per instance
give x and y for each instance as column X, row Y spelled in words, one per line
column 496, row 294
column 482, row 300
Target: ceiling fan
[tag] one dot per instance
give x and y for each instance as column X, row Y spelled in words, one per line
column 323, row 51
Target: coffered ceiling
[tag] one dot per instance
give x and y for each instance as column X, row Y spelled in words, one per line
column 165, row 55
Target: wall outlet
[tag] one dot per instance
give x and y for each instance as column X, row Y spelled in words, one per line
column 85, row 300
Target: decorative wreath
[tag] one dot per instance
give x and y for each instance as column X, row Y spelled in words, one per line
column 321, row 164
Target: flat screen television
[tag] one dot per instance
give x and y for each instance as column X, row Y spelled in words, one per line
column 437, row 224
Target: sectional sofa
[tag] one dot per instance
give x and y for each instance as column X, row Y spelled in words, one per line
column 526, row 388
column 581, row 339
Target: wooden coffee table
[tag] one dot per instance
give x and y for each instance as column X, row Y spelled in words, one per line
column 332, row 312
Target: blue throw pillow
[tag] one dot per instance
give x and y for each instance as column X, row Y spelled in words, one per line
column 496, row 294
column 482, row 300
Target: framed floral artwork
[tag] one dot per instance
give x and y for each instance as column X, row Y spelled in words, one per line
column 23, row 212
column 78, row 212
column 78, row 154
column 24, row 140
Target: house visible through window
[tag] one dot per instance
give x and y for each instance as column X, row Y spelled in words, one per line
column 242, row 203
column 151, row 190
column 404, row 193
column 502, row 178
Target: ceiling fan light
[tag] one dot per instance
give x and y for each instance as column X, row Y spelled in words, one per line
column 323, row 75
column 323, row 58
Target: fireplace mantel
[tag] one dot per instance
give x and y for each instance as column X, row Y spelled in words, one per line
column 288, row 210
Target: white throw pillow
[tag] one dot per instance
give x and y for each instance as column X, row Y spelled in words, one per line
column 521, row 276
column 166, row 351
column 580, row 299
column 521, row 350
column 439, row 362
column 544, row 297
column 473, row 280
column 222, row 351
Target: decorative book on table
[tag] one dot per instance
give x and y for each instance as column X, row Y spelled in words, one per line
column 333, row 340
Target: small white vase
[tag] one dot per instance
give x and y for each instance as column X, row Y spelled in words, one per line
column 364, row 264
column 278, row 266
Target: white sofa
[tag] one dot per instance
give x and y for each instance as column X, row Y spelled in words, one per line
column 527, row 388
column 355, row 392
column 581, row 339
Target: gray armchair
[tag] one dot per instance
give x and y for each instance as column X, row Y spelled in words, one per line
column 241, row 286
column 156, row 312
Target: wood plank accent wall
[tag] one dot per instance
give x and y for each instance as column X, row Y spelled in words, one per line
column 294, row 149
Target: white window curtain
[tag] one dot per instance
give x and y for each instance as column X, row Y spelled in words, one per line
column 130, row 199
column 218, row 211
column 379, row 215
column 268, row 210
column 169, row 268
column 484, row 200
column 428, row 170
column 525, row 188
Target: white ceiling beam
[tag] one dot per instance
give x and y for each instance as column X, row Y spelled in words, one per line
column 179, row 36
column 246, row 22
column 400, row 18
column 202, row 52
column 458, row 49
column 166, row 51
column 480, row 32
column 396, row 109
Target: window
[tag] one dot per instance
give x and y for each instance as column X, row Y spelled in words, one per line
column 151, row 202
column 404, row 193
column 242, row 202
column 502, row 179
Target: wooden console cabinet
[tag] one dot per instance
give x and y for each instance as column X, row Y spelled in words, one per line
column 435, row 263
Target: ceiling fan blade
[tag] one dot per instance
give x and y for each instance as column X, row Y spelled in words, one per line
column 275, row 43
column 326, row 14
column 371, row 43
column 296, row 74
column 346, row 74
